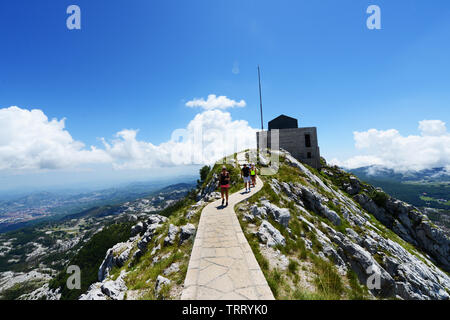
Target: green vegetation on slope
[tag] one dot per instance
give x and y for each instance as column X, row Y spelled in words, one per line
column 142, row 274
column 19, row 289
column 204, row 171
column 326, row 282
column 419, row 194
column 235, row 176
column 90, row 257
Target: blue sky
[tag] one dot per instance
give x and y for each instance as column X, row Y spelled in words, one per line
column 135, row 64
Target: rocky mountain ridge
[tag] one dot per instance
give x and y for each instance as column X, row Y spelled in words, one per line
column 35, row 255
column 316, row 235
column 355, row 226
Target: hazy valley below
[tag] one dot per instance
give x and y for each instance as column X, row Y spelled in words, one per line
column 31, row 256
column 22, row 210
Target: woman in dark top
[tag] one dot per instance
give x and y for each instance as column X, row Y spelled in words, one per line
column 224, row 181
column 245, row 173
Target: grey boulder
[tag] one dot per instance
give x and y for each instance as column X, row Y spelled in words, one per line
column 160, row 282
column 280, row 215
column 170, row 239
column 269, row 235
column 187, row 232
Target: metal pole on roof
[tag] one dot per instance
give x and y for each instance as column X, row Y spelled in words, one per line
column 260, row 99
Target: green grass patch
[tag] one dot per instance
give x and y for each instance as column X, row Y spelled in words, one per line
column 270, row 194
column 19, row 289
column 327, row 280
column 90, row 257
column 379, row 197
column 263, row 263
column 293, row 266
column 300, row 294
column 357, row 292
column 302, row 249
column 274, row 281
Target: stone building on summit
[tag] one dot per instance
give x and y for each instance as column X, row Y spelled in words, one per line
column 302, row 143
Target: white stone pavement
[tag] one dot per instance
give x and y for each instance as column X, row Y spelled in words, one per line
column 222, row 265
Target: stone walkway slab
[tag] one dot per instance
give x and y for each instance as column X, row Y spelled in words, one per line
column 222, row 265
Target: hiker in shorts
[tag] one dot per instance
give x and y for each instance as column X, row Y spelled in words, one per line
column 253, row 174
column 224, row 184
column 245, row 173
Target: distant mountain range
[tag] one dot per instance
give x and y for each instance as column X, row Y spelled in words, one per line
column 425, row 188
column 425, row 176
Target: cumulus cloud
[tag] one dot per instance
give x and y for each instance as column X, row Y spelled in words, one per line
column 432, row 127
column 29, row 140
column 214, row 102
column 388, row 148
column 210, row 136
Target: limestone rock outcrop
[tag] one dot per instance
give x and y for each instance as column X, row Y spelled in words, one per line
column 269, row 235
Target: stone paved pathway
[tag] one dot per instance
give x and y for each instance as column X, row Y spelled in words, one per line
column 222, row 265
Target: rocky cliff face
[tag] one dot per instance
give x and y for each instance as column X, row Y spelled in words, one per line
column 147, row 265
column 32, row 259
column 152, row 264
column 393, row 248
column 315, row 235
column 10, row 280
column 411, row 225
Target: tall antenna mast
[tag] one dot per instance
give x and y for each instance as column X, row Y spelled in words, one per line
column 260, row 99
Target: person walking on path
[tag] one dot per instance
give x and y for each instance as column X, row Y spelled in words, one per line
column 253, row 174
column 245, row 173
column 224, row 184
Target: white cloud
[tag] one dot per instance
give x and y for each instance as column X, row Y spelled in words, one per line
column 388, row 148
column 28, row 140
column 214, row 102
column 432, row 127
column 210, row 136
